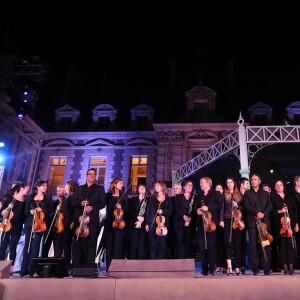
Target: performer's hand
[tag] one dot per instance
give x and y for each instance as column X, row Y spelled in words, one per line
column 140, row 218
column 199, row 211
column 204, row 208
column 118, row 206
column 89, row 208
column 222, row 224
column 296, row 227
column 83, row 202
column 234, row 203
column 260, row 215
column 147, row 228
column 72, row 225
column 159, row 211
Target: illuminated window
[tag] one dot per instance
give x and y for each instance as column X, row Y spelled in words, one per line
column 57, row 172
column 99, row 164
column 138, row 171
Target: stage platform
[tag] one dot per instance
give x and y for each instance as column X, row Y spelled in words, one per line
column 248, row 286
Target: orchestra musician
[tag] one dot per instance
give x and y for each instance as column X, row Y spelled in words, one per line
column 88, row 199
column 184, row 220
column 233, row 238
column 114, row 230
column 286, row 219
column 208, row 201
column 12, row 233
column 257, row 205
column 157, row 221
column 136, row 212
column 37, row 211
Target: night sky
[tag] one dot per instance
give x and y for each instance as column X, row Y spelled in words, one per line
column 126, row 52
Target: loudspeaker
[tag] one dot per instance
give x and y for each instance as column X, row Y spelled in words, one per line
column 165, row 268
column 5, row 266
column 47, row 267
column 85, row 270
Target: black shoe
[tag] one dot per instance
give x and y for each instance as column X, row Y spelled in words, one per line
column 255, row 273
column 211, row 274
column 267, row 273
column 243, row 270
column 276, row 270
column 204, row 273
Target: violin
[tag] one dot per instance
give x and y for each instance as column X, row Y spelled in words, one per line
column 84, row 219
column 263, row 232
column 161, row 228
column 59, row 225
column 39, row 224
column 237, row 223
column 119, row 221
column 286, row 229
column 5, row 225
column 208, row 223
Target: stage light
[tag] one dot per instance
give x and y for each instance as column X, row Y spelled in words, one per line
column 1, row 158
column 271, row 171
column 20, row 116
column 2, row 144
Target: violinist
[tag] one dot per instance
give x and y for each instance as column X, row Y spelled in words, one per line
column 285, row 210
column 184, row 220
column 50, row 233
column 91, row 198
column 115, row 227
column 137, row 211
column 232, row 235
column 37, row 211
column 13, row 214
column 157, row 221
column 209, row 201
column 257, row 205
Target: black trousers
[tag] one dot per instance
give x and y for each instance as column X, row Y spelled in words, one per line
column 257, row 252
column 207, row 246
column 184, row 240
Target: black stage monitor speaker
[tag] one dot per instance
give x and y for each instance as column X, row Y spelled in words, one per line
column 50, row 267
column 165, row 268
column 85, row 270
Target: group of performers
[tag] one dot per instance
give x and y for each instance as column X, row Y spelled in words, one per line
column 211, row 222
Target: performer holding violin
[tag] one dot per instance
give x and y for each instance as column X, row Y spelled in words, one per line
column 207, row 208
column 184, row 220
column 88, row 199
column 13, row 219
column 138, row 235
column 286, row 225
column 37, row 211
column 257, row 205
column 157, row 221
column 231, row 221
column 114, row 230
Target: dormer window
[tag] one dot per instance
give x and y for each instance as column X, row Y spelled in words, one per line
column 66, row 117
column 260, row 114
column 293, row 113
column 142, row 117
column 104, row 116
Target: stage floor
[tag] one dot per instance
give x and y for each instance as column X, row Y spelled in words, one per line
column 276, row 287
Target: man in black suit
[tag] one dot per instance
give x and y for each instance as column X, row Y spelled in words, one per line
column 91, row 197
column 209, row 201
column 257, row 205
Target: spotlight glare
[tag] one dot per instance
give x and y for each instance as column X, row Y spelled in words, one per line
column 2, row 144
column 20, row 116
column 271, row 171
column 1, row 159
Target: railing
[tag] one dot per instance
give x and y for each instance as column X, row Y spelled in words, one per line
column 208, row 156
